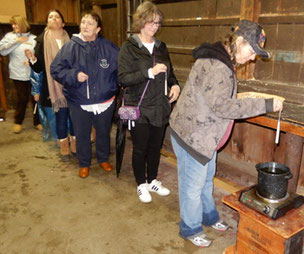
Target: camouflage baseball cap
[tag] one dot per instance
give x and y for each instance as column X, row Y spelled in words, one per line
column 254, row 34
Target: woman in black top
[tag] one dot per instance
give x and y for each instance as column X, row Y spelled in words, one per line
column 143, row 58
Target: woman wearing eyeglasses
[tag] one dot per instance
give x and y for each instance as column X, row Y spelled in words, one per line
column 142, row 58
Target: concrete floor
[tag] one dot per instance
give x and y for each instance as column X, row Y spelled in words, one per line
column 46, row 208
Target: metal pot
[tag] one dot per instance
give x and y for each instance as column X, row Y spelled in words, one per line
column 272, row 180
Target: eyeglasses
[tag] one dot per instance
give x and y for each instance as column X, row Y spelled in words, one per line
column 152, row 23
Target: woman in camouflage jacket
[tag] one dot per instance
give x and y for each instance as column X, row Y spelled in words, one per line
column 203, row 119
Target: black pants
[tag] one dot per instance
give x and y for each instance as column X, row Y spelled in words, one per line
column 82, row 124
column 23, row 89
column 147, row 141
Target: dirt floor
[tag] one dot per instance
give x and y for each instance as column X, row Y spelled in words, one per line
column 46, row 208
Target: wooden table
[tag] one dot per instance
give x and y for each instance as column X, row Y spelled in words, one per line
column 259, row 234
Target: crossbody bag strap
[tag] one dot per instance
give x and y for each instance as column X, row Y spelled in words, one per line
column 148, row 82
column 143, row 94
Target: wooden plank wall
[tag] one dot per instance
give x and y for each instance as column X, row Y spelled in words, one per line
column 36, row 10
column 109, row 17
column 189, row 23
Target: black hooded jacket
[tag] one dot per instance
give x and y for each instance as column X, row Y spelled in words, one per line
column 215, row 51
column 134, row 61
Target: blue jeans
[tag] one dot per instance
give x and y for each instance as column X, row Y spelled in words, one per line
column 195, row 185
column 64, row 123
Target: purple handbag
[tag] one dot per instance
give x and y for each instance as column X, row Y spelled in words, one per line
column 131, row 113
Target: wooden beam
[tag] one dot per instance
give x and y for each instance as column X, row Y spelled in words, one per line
column 282, row 18
column 104, row 2
column 2, row 90
column 272, row 123
column 201, row 21
column 227, row 185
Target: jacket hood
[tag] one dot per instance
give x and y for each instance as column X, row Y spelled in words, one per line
column 134, row 39
column 78, row 39
column 215, row 51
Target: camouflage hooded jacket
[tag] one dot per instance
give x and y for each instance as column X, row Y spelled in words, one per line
column 208, row 103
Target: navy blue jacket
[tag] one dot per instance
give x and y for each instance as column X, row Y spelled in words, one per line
column 97, row 59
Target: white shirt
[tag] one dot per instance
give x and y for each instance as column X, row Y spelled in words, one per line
column 150, row 47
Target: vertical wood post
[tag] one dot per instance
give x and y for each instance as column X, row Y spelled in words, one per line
column 2, row 90
column 96, row 8
column 122, row 21
column 250, row 10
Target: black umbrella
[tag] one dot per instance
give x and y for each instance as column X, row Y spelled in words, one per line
column 120, row 144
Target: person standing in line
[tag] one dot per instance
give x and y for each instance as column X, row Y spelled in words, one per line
column 143, row 59
column 87, row 68
column 14, row 44
column 202, row 121
column 48, row 44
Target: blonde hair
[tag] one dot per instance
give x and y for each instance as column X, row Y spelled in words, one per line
column 21, row 22
column 145, row 12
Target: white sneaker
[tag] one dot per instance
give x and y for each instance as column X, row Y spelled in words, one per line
column 200, row 241
column 156, row 186
column 220, row 226
column 143, row 193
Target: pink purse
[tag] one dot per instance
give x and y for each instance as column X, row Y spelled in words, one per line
column 131, row 113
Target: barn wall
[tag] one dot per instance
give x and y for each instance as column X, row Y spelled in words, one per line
column 37, row 10
column 189, row 23
column 14, row 7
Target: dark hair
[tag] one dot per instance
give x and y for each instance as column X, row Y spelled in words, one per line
column 94, row 15
column 54, row 10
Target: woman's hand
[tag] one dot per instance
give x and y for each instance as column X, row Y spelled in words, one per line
column 174, row 93
column 36, row 97
column 30, row 55
column 81, row 76
column 158, row 68
column 277, row 104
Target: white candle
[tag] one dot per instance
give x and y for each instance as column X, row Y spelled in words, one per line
column 166, row 85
